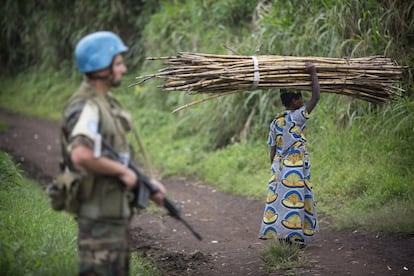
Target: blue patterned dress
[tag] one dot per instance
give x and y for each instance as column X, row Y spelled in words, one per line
column 290, row 211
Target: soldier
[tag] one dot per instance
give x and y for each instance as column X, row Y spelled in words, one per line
column 93, row 114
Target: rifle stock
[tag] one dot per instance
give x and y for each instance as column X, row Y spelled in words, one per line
column 145, row 188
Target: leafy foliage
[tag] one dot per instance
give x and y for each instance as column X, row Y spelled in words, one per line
column 44, row 33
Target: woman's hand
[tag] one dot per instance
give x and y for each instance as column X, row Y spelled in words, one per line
column 310, row 68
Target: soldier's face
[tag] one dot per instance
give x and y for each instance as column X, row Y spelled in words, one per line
column 118, row 70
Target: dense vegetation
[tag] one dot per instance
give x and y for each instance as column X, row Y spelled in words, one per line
column 361, row 153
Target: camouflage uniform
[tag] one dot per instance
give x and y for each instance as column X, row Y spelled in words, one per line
column 102, row 248
column 104, row 210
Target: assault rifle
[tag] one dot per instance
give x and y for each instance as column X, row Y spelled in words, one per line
column 145, row 188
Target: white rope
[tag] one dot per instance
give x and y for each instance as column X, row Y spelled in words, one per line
column 256, row 76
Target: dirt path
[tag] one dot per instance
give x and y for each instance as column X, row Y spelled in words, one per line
column 228, row 223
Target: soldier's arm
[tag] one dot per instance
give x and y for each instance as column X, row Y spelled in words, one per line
column 83, row 156
column 83, row 131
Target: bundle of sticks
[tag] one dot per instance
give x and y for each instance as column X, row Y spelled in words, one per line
column 374, row 79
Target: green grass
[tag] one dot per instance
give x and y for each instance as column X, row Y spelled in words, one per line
column 239, row 169
column 392, row 217
column 40, row 94
column 34, row 239
column 361, row 171
column 283, row 256
column 141, row 266
column 3, row 126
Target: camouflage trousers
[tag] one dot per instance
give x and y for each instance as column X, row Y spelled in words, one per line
column 103, row 247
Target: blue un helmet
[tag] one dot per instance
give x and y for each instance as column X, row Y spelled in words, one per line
column 97, row 50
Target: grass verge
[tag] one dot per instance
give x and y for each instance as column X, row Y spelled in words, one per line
column 282, row 255
column 34, row 239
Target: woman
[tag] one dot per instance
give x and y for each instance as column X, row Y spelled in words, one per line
column 290, row 213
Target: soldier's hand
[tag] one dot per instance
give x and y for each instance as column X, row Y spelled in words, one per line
column 129, row 178
column 158, row 197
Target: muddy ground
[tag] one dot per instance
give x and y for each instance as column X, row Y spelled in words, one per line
column 228, row 223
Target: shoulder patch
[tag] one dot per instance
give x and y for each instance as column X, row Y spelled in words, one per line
column 87, row 124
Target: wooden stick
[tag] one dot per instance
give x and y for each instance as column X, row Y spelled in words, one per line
column 370, row 78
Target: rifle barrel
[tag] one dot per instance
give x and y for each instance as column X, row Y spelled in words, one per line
column 168, row 204
column 175, row 212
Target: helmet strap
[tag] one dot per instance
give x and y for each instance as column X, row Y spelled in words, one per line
column 91, row 76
